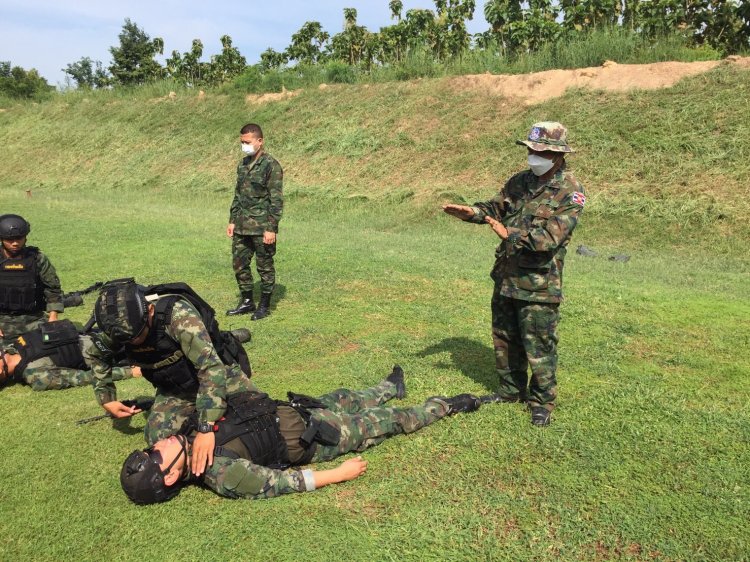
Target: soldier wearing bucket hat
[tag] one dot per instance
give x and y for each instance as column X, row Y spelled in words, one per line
column 534, row 215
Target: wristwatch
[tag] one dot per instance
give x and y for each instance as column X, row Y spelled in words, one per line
column 206, row 427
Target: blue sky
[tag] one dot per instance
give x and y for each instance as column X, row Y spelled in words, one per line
column 47, row 35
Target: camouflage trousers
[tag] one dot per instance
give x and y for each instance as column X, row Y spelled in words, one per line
column 52, row 377
column 15, row 325
column 525, row 335
column 365, row 422
column 170, row 410
column 243, row 249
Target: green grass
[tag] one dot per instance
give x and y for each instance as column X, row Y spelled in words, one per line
column 647, row 457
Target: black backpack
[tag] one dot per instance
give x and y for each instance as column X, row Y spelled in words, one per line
column 230, row 350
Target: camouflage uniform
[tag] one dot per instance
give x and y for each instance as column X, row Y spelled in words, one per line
column 256, row 208
column 540, row 219
column 170, row 409
column 363, row 422
column 43, row 374
column 13, row 325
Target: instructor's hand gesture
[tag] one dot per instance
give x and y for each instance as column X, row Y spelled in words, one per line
column 462, row 212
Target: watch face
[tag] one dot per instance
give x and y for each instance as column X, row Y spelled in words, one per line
column 205, row 427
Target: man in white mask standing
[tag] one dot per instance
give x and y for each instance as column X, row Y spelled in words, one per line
column 254, row 221
column 534, row 215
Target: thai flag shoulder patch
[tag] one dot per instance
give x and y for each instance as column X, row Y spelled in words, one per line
column 578, row 198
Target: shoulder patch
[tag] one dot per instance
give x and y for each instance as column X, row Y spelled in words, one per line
column 578, row 198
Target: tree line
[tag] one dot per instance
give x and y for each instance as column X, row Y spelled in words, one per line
column 515, row 27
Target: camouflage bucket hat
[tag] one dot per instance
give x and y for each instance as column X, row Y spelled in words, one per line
column 121, row 311
column 547, row 135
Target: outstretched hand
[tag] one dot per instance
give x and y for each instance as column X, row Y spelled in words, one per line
column 462, row 212
column 352, row 468
column 119, row 410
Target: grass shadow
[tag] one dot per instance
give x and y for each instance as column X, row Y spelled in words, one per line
column 474, row 359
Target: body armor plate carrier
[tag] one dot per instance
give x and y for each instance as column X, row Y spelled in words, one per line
column 20, row 289
column 57, row 340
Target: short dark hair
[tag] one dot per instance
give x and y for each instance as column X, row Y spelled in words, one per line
column 253, row 129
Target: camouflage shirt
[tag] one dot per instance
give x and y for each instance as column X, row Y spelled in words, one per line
column 187, row 329
column 258, row 197
column 240, row 478
column 540, row 220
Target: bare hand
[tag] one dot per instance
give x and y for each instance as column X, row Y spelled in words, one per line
column 498, row 227
column 203, row 452
column 53, row 316
column 230, row 229
column 136, row 370
column 119, row 410
column 462, row 212
column 352, row 468
column 269, row 237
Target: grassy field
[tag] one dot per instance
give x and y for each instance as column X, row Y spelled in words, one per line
column 648, row 454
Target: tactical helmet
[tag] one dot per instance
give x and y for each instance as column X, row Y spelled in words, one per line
column 547, row 135
column 13, row 226
column 121, row 311
column 142, row 479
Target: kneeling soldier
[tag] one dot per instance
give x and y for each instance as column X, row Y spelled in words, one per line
column 260, row 439
column 171, row 334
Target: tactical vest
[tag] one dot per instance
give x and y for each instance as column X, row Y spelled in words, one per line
column 20, row 288
column 160, row 358
column 251, row 429
column 57, row 340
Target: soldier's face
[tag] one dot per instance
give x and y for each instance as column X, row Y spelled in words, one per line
column 252, row 139
column 13, row 245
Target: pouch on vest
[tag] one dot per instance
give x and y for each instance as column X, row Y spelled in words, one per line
column 320, row 431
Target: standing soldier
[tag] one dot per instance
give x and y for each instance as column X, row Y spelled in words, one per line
column 254, row 221
column 28, row 282
column 534, row 215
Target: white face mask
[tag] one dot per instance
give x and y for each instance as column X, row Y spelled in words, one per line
column 539, row 165
column 248, row 148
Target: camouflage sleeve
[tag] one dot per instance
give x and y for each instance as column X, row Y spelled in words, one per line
column 495, row 207
column 274, row 183
column 240, row 478
column 51, row 283
column 555, row 231
column 100, row 358
column 234, row 208
column 188, row 330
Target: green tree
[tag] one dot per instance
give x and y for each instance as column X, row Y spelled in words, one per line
column 133, row 61
column 350, row 45
column 87, row 74
column 188, row 68
column 226, row 65
column 15, row 82
column 271, row 60
column 396, row 7
column 307, row 44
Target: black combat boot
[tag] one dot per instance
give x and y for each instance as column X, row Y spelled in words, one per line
column 461, row 403
column 245, row 306
column 264, row 307
column 540, row 416
column 397, row 378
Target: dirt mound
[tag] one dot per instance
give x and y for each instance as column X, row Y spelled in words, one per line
column 284, row 94
column 541, row 86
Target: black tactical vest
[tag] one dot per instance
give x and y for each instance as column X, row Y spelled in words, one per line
column 160, row 358
column 57, row 340
column 20, row 287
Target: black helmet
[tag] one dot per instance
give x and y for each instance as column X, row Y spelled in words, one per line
column 13, row 226
column 143, row 481
column 121, row 310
